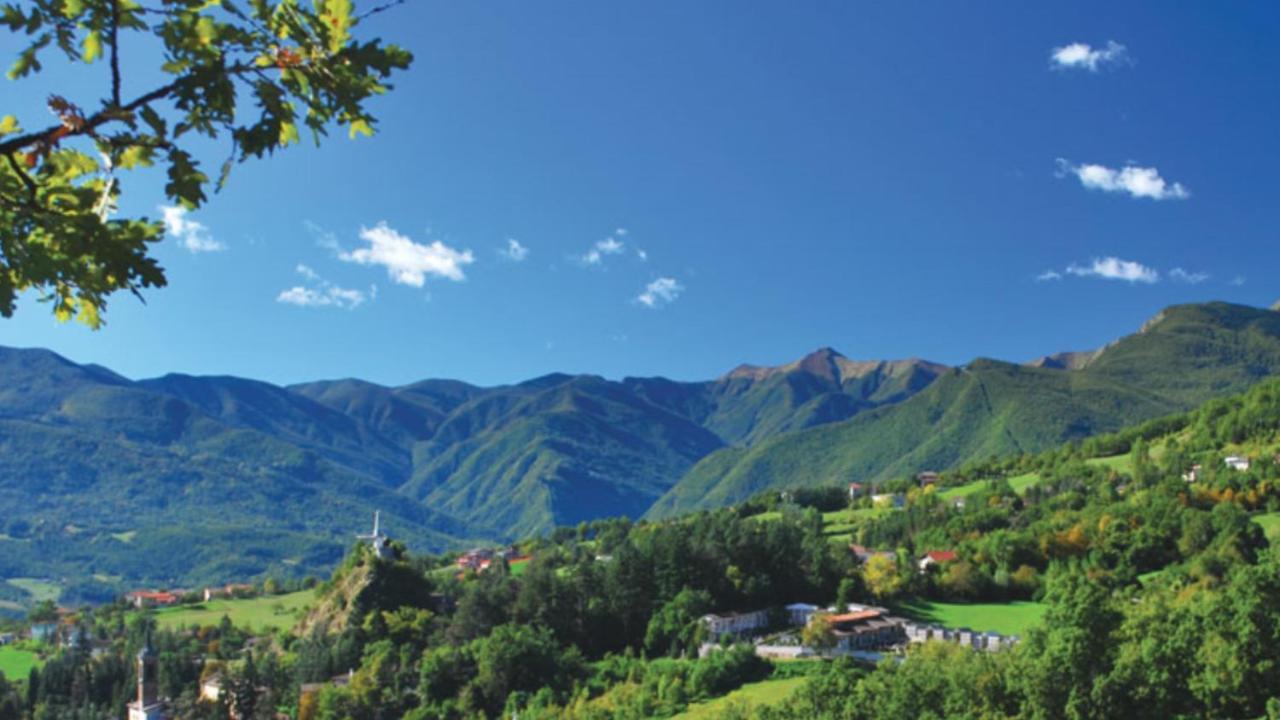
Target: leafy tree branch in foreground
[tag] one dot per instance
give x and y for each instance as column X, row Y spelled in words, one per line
column 251, row 75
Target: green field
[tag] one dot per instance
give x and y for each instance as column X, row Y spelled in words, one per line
column 1011, row 618
column 40, row 590
column 1020, row 483
column 15, row 664
column 1119, row 463
column 1270, row 524
column 765, row 692
column 271, row 612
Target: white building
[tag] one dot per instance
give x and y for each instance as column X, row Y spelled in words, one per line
column 736, row 623
column 1236, row 462
column 800, row 613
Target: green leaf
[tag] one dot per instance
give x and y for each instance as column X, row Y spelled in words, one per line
column 154, row 121
column 206, row 30
column 360, row 127
column 8, row 125
column 186, row 182
column 92, row 46
column 288, row 133
column 73, row 8
column 337, row 20
column 135, row 156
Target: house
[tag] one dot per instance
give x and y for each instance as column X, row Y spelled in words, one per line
column 856, row 490
column 935, row 557
column 865, row 553
column 1193, row 474
column 151, row 598
column 800, row 613
column 889, row 500
column 228, row 591
column 735, row 623
column 43, row 631
column 476, row 559
column 988, row 641
column 1236, row 462
column 928, row 477
column 211, row 688
column 866, row 629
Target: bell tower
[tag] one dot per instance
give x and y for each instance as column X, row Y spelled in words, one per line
column 147, row 705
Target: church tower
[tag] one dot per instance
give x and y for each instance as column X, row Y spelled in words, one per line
column 147, row 706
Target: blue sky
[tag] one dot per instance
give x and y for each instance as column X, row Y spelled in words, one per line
column 696, row 185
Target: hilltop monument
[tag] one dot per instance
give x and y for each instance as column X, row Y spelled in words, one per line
column 379, row 542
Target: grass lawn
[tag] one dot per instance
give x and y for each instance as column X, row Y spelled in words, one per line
column 1119, row 463
column 765, row 692
column 15, row 664
column 41, row 590
column 1270, row 524
column 1020, row 483
column 259, row 613
column 518, row 567
column 962, row 490
column 1011, row 618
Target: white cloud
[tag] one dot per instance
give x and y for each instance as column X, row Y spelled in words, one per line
column 608, row 246
column 1191, row 278
column 1237, row 281
column 1113, row 268
column 620, row 232
column 408, row 262
column 322, row 293
column 1081, row 55
column 643, row 255
column 662, row 291
column 514, row 251
column 1048, row 275
column 1137, row 181
column 194, row 236
column 324, row 238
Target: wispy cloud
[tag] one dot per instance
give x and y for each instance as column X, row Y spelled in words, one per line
column 193, row 236
column 1083, row 56
column 1138, row 182
column 1191, row 278
column 642, row 254
column 1237, row 281
column 322, row 293
column 611, row 245
column 1113, row 268
column 662, row 291
column 1048, row 275
column 408, row 262
column 514, row 251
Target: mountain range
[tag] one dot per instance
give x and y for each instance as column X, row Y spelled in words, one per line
column 105, row 476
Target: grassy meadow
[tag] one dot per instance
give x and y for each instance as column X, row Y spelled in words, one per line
column 269, row 612
column 1011, row 618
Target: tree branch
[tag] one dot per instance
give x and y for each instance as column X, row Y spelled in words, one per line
column 91, row 123
column 22, row 175
column 115, row 53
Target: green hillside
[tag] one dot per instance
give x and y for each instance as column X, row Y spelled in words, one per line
column 1180, row 358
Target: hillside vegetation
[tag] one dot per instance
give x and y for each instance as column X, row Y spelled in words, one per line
column 100, row 475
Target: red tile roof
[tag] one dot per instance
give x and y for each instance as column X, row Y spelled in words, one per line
column 941, row 555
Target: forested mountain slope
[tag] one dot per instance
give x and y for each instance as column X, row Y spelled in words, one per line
column 1183, row 356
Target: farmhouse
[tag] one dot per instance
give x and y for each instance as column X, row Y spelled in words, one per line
column 735, row 623
column 856, row 490
column 151, row 598
column 228, row 591
column 935, row 557
column 928, row 477
column 889, row 500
